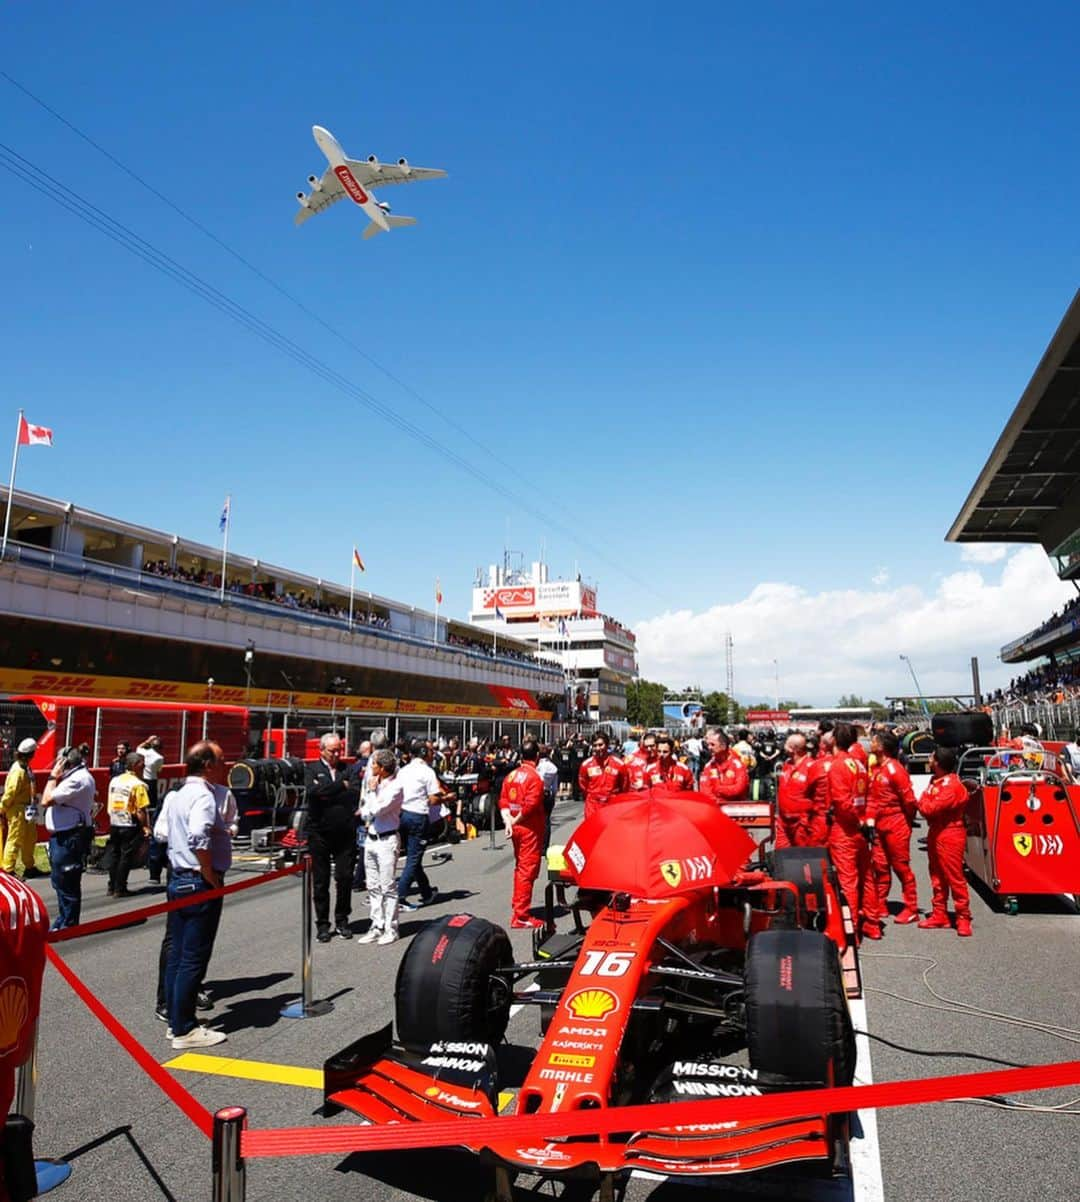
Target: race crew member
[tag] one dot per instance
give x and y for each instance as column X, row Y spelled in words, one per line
column 23, row 924
column 128, row 804
column 744, row 749
column 859, row 751
column 18, row 796
column 797, row 823
column 522, row 805
column 852, row 833
column 817, row 789
column 601, row 776
column 639, row 764
column 666, row 769
column 724, row 777
column 944, row 804
column 891, row 803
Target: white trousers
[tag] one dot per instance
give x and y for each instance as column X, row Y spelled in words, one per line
column 380, row 868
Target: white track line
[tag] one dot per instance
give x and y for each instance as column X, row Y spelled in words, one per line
column 521, row 1005
column 866, row 1182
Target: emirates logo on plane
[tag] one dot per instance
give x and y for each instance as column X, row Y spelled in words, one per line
column 348, row 182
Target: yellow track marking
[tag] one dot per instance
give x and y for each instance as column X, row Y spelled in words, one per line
column 248, row 1070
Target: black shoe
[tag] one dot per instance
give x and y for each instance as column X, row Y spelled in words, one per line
column 161, row 1013
column 155, row 880
column 203, row 1001
column 324, row 935
column 344, row 931
column 431, row 898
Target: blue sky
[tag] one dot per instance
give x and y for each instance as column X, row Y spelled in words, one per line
column 735, row 297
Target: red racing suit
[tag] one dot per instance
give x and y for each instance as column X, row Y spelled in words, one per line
column 943, row 805
column 817, row 789
column 891, row 803
column 858, row 751
column 598, row 781
column 725, row 778
column 672, row 774
column 797, row 822
column 637, row 767
column 522, row 797
column 850, row 852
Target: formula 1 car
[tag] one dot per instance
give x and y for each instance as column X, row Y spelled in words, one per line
column 721, row 975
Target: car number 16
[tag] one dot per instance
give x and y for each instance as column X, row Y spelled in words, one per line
column 606, row 964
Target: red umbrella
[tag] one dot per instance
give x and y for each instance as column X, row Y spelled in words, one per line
column 657, row 844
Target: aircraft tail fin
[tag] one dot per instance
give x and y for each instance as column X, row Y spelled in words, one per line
column 393, row 220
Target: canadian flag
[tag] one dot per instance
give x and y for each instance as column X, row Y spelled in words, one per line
column 34, row 436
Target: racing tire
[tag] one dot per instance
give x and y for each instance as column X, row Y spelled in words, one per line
column 959, row 730
column 798, row 1025
column 919, row 742
column 805, row 868
column 444, row 988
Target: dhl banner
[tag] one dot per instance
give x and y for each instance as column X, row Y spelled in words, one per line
column 514, row 703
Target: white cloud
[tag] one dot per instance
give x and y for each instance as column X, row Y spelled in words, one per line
column 850, row 641
column 880, row 577
column 983, row 552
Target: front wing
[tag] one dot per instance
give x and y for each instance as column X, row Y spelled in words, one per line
column 382, row 1084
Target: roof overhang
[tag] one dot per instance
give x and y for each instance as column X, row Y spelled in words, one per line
column 1029, row 490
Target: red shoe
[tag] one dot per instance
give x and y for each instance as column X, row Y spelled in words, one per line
column 871, row 930
column 525, row 924
column 937, row 922
column 906, row 916
column 963, row 926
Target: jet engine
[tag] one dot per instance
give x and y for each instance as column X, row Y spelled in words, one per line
column 303, row 200
column 404, row 165
column 373, row 159
column 313, row 180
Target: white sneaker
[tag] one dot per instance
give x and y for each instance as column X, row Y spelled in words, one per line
column 386, row 938
column 168, row 1033
column 370, row 935
column 198, row 1037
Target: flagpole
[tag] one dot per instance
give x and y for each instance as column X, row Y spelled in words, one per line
column 225, row 544
column 352, row 585
column 438, row 594
column 11, row 484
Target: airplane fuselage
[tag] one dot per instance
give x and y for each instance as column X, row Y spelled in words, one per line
column 355, row 191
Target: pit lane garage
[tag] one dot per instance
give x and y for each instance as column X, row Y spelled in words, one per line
column 688, row 967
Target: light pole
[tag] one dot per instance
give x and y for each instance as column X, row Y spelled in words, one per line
column 776, row 671
column 249, row 660
column 918, row 687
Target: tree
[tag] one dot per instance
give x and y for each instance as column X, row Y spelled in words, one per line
column 645, row 703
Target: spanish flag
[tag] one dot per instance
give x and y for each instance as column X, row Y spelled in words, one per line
column 438, row 592
column 357, row 561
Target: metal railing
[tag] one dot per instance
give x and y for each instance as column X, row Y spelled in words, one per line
column 77, row 565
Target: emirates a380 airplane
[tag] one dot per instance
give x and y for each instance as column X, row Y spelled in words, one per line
column 355, row 178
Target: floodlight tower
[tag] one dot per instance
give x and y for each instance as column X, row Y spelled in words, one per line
column 729, row 655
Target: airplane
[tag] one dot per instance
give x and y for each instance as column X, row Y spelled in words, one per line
column 355, row 178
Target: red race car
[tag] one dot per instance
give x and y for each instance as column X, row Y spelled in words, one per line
column 693, row 969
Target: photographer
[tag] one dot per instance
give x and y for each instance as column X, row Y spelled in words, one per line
column 68, row 802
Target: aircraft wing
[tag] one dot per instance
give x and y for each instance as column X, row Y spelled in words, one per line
column 378, row 175
column 328, row 192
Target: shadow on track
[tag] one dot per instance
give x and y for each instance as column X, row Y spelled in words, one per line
column 133, row 1143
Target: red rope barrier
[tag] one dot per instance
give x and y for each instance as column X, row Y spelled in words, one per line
column 174, row 1091
column 476, row 1133
column 132, row 917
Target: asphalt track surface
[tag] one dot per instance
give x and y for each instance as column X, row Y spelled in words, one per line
column 128, row 1143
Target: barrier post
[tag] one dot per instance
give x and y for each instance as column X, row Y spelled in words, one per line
column 493, row 802
column 229, row 1170
column 49, row 1173
column 306, row 1007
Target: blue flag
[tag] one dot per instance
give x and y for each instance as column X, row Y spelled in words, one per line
column 223, row 521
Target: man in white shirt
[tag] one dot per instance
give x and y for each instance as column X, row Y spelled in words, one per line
column 380, row 813
column 150, row 750
column 421, row 790
column 68, row 802
column 1070, row 759
column 199, row 849
column 549, row 773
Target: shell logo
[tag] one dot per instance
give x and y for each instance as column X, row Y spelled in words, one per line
column 14, row 1013
column 592, row 1003
column 432, row 1091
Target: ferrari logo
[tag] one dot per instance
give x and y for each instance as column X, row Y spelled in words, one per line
column 671, row 871
column 1022, row 843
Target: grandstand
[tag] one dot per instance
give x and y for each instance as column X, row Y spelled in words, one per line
column 96, row 606
column 1029, row 491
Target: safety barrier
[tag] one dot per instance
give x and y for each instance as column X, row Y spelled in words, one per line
column 52, row 1173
